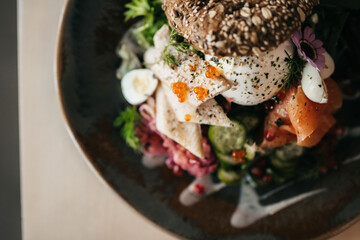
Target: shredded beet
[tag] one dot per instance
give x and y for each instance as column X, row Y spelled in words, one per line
column 179, row 159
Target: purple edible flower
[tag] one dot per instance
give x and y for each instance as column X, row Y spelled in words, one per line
column 309, row 48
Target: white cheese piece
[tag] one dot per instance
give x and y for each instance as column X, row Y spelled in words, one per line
column 191, row 70
column 210, row 112
column 186, row 134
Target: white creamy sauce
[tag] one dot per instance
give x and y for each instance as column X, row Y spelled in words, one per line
column 249, row 210
column 276, row 190
column 352, row 132
column 190, row 196
column 352, row 159
column 153, row 161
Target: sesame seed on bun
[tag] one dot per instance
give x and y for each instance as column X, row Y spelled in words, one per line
column 232, row 28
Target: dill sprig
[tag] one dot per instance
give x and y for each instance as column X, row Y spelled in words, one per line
column 295, row 66
column 169, row 58
column 179, row 44
column 127, row 121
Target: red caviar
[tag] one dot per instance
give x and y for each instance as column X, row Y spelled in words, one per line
column 187, row 117
column 239, row 156
column 193, row 67
column 269, row 135
column 180, row 89
column 201, row 93
column 212, row 72
column 267, row 177
column 199, row 188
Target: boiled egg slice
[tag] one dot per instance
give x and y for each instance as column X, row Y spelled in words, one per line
column 137, row 85
column 313, row 85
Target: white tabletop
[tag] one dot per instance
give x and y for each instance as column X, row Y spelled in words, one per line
column 61, row 197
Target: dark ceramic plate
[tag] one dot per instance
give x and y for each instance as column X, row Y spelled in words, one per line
column 90, row 97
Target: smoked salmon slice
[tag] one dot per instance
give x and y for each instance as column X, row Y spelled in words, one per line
column 302, row 120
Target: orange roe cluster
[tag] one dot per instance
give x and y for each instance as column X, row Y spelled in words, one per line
column 212, row 72
column 180, row 89
column 187, row 117
column 239, row 156
column 201, row 93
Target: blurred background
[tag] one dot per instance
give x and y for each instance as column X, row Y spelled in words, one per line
column 10, row 220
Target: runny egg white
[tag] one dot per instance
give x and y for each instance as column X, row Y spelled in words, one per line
column 255, row 79
column 137, row 85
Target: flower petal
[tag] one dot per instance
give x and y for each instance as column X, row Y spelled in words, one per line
column 301, row 53
column 311, row 37
column 320, row 51
column 307, row 33
column 320, row 62
column 312, row 63
column 296, row 36
column 317, row 44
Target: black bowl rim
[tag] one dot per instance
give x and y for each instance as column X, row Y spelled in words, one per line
column 81, row 149
column 87, row 158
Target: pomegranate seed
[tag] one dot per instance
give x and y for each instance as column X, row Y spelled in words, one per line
column 339, row 130
column 323, row 169
column 199, row 188
column 267, row 177
column 177, row 171
column 269, row 135
column 256, row 171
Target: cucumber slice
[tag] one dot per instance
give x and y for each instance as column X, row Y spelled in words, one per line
column 226, row 139
column 285, row 159
column 229, row 177
column 282, row 164
column 289, row 151
column 249, row 119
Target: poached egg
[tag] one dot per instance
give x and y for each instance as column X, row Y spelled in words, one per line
column 255, row 79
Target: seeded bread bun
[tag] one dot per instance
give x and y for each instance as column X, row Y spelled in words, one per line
column 236, row 27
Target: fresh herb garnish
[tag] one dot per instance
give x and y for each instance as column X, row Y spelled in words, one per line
column 179, row 44
column 169, row 59
column 295, row 66
column 127, row 121
column 154, row 19
column 275, row 99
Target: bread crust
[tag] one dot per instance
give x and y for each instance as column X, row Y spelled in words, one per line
column 232, row 28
